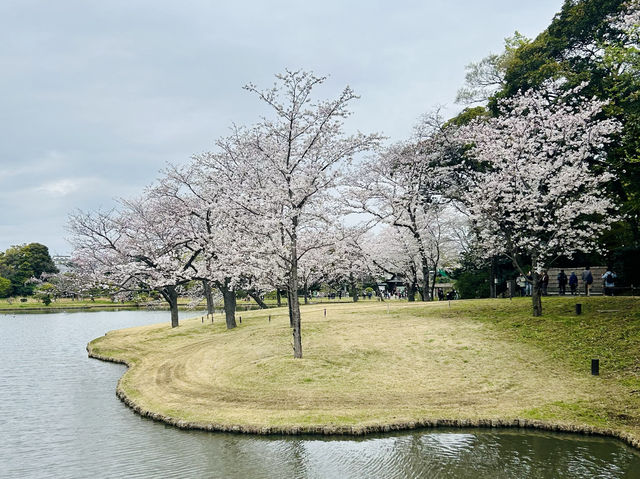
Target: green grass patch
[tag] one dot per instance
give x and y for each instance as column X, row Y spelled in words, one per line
column 384, row 363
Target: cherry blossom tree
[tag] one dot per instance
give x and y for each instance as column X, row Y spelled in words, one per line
column 389, row 187
column 392, row 251
column 540, row 193
column 223, row 261
column 345, row 261
column 141, row 245
column 408, row 186
column 444, row 237
column 279, row 175
column 312, row 271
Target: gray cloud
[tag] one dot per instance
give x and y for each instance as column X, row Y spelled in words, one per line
column 98, row 96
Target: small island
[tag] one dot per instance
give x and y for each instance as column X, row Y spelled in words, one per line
column 382, row 366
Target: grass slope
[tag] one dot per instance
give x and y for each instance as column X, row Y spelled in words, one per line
column 365, row 365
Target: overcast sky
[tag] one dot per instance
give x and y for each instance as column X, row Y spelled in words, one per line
column 97, row 96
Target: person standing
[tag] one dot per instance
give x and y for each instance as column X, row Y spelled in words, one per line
column 609, row 282
column 529, row 279
column 587, row 280
column 522, row 283
column 573, row 283
column 544, row 282
column 562, row 282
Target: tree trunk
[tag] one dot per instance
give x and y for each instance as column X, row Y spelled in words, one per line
column 432, row 292
column 536, row 294
column 354, row 288
column 289, row 303
column 170, row 295
column 435, row 274
column 411, row 291
column 492, row 278
column 229, row 297
column 209, row 296
column 306, row 293
column 424, row 293
column 294, row 308
column 424, row 263
column 258, row 300
column 294, row 311
column 278, row 298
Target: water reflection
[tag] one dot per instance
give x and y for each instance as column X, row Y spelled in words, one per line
column 60, row 418
column 446, row 454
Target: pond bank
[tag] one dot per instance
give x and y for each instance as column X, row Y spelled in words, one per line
column 57, row 309
column 365, row 370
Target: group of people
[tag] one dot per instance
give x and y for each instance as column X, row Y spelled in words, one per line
column 448, row 296
column 524, row 284
column 608, row 278
column 572, row 281
column 608, row 281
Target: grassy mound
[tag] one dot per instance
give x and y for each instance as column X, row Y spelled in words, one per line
column 375, row 364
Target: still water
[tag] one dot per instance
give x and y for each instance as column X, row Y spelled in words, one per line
column 60, row 418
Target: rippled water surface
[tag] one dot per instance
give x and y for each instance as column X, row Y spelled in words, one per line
column 59, row 417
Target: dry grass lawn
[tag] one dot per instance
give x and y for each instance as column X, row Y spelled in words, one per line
column 362, row 366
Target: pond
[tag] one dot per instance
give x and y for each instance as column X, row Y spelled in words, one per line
column 60, row 418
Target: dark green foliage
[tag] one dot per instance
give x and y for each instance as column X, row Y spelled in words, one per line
column 467, row 115
column 20, row 263
column 473, row 279
column 5, row 287
column 626, row 264
column 580, row 26
column 271, row 295
column 473, row 283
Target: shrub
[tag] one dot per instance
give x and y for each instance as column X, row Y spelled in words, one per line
column 5, row 287
column 473, row 284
